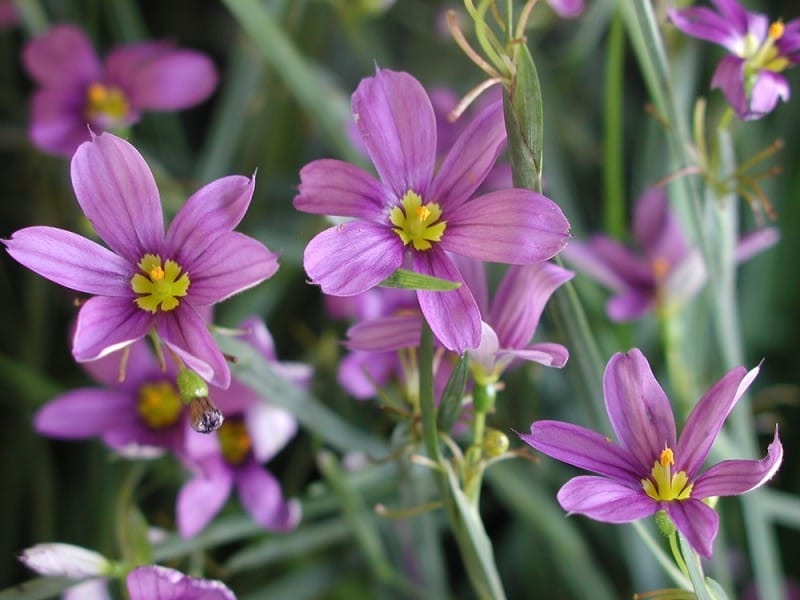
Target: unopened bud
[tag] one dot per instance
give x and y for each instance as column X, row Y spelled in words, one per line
column 65, row 560
column 495, row 443
column 204, row 416
column 665, row 525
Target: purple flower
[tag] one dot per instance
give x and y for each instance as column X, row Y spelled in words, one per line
column 750, row 78
column 569, row 9
column 148, row 281
column 232, row 456
column 411, row 217
column 155, row 582
column 76, row 89
column 650, row 469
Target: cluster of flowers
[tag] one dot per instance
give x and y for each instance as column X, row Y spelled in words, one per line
column 438, row 209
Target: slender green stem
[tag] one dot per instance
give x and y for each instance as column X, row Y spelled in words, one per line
column 613, row 204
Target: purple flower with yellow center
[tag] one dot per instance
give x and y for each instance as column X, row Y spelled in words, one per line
column 411, row 217
column 750, row 78
column 154, row 582
column 147, row 281
column 76, row 89
column 651, row 469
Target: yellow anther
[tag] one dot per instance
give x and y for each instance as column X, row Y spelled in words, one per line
column 666, row 458
column 157, row 273
column 659, row 266
column 423, row 212
column 775, row 31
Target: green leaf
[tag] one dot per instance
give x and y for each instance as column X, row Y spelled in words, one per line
column 409, row 280
column 38, row 588
column 695, row 571
column 452, row 396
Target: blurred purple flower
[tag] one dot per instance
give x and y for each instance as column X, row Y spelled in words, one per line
column 155, row 582
column 76, row 89
column 410, row 215
column 650, row 469
column 750, row 78
column 232, row 456
column 569, row 9
column 149, row 280
column 9, row 14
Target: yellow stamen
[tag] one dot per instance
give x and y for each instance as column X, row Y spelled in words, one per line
column 106, row 102
column 663, row 485
column 659, row 266
column 666, row 458
column 775, row 31
column 234, row 441
column 158, row 404
column 161, row 286
column 422, row 230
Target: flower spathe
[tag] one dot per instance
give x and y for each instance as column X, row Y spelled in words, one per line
column 412, row 217
column 650, row 468
column 750, row 77
column 76, row 89
column 147, row 279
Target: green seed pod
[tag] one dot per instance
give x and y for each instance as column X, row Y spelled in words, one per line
column 495, row 443
column 190, row 385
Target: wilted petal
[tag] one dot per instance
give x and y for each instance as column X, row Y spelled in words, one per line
column 261, row 496
column 212, row 211
column 161, row 583
column 83, row 413
column 270, row 429
column 470, row 159
column 61, row 57
column 509, row 226
column 605, row 500
column 637, row 407
column 520, row 300
column 453, row 315
column 65, row 560
column 729, row 77
column 398, row 126
column 71, row 260
column 384, row 334
column 583, row 448
column 203, row 497
column 768, row 88
column 734, row 477
column 56, row 123
column 117, row 193
column 707, row 417
column 187, row 335
column 172, row 80
column 334, row 187
column 106, row 324
column 696, row 522
column 353, row 257
column 231, row 264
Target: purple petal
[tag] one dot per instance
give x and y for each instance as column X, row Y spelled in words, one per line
column 453, row 316
column 117, row 193
column 729, row 76
column 520, row 300
column 107, row 324
column 261, row 496
column 57, row 124
column 61, row 57
column 140, row 365
column 164, row 79
column 546, row 353
column 270, row 429
column 705, row 421
column 203, row 497
column 609, row 263
column 71, row 260
column 231, row 264
column 696, row 522
column 568, row 9
column 398, row 126
column 637, row 407
column 755, row 242
column 259, row 337
column 655, row 228
column 768, row 88
column 83, row 413
column 705, row 24
column 474, row 274
column 384, row 334
column 353, row 257
column 362, row 374
column 334, row 187
column 585, row 449
column 509, row 226
column 629, row 305
column 470, row 159
column 734, row 477
column 186, row 334
column 605, row 500
column 212, row 211
column 161, row 583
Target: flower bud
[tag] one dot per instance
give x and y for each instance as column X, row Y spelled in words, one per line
column 65, row 560
column 495, row 443
column 190, row 385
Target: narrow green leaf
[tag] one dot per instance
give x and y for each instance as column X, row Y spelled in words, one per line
column 39, row 588
column 409, row 280
column 716, row 589
column 695, row 572
column 452, row 396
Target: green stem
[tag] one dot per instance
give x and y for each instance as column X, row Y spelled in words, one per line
column 613, row 206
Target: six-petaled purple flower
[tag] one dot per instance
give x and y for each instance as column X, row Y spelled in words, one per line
column 411, row 217
column 147, row 280
column 76, row 90
column 650, row 468
column 750, row 78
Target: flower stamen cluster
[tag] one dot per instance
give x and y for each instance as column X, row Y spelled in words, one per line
column 234, row 441
column 106, row 102
column 416, row 223
column 158, row 404
column 663, row 484
column 160, row 287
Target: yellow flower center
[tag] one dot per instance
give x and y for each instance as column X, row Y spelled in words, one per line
column 159, row 285
column 663, row 485
column 766, row 56
column 659, row 267
column 234, row 441
column 417, row 224
column 158, row 404
column 106, row 102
